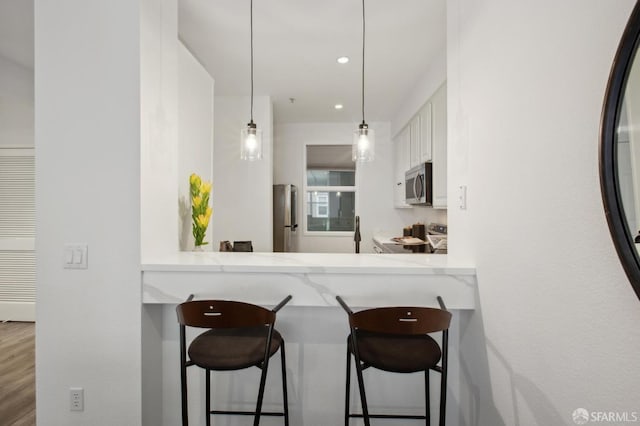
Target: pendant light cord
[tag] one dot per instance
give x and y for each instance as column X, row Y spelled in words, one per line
column 363, row 38
column 251, row 22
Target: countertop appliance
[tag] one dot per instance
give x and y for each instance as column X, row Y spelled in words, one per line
column 418, row 184
column 285, row 200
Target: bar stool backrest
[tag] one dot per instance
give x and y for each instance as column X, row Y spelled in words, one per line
column 223, row 314
column 401, row 320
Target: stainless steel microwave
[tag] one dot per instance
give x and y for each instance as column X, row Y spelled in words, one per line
column 418, row 185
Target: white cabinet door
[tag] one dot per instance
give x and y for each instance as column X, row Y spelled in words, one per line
column 421, row 135
column 439, row 121
column 415, row 151
column 402, row 163
column 426, row 133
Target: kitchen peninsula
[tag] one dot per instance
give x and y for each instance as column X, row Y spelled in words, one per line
column 314, row 279
column 314, row 327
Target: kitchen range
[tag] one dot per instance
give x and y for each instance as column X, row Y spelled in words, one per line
column 414, row 240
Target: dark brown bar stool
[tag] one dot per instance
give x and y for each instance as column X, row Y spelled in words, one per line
column 240, row 335
column 396, row 339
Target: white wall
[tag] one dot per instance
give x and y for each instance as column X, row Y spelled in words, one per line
column 159, row 126
column 242, row 194
column 87, row 135
column 557, row 325
column 195, row 136
column 422, row 90
column 16, row 104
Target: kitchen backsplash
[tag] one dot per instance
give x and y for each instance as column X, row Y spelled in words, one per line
column 424, row 215
column 408, row 217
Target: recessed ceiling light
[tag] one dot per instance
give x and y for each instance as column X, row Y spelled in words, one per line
column 343, row 59
column 338, row 106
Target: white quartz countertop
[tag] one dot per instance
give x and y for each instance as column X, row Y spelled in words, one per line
column 327, row 263
column 383, row 239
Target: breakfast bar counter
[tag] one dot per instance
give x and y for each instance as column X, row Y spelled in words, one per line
column 313, row 279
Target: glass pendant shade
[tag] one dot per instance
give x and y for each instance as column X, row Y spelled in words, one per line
column 363, row 148
column 251, row 143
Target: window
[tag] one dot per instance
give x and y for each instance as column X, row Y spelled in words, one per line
column 330, row 189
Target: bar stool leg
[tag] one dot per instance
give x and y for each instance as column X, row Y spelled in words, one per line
column 263, row 379
column 284, row 385
column 346, row 400
column 443, row 377
column 443, row 399
column 183, row 377
column 207, row 403
column 427, row 398
column 363, row 397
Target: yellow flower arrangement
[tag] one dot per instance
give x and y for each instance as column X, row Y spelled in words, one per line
column 200, row 209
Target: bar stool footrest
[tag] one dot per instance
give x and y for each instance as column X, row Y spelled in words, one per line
column 246, row 413
column 389, row 416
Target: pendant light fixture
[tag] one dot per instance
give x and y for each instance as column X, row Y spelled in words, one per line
column 364, row 138
column 251, row 136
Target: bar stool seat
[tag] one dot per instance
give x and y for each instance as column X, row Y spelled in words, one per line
column 232, row 348
column 397, row 353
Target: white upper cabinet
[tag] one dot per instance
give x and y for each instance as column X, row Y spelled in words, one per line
column 415, row 127
column 426, row 133
column 402, row 163
column 439, row 144
column 422, row 140
column 420, row 135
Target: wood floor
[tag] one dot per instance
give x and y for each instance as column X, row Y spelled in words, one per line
column 17, row 374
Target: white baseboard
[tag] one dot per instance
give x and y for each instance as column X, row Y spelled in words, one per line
column 17, row 311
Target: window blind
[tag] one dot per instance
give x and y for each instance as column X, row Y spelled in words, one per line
column 17, row 234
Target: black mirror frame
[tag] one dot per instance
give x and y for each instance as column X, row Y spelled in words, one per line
column 609, row 180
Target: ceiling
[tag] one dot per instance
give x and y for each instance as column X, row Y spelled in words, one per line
column 296, row 44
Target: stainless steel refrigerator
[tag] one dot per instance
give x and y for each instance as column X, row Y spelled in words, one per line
column 284, row 217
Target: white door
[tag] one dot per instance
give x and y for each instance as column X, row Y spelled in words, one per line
column 17, row 234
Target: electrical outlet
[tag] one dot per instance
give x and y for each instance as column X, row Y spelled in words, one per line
column 76, row 396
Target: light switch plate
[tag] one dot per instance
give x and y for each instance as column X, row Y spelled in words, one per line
column 75, row 256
